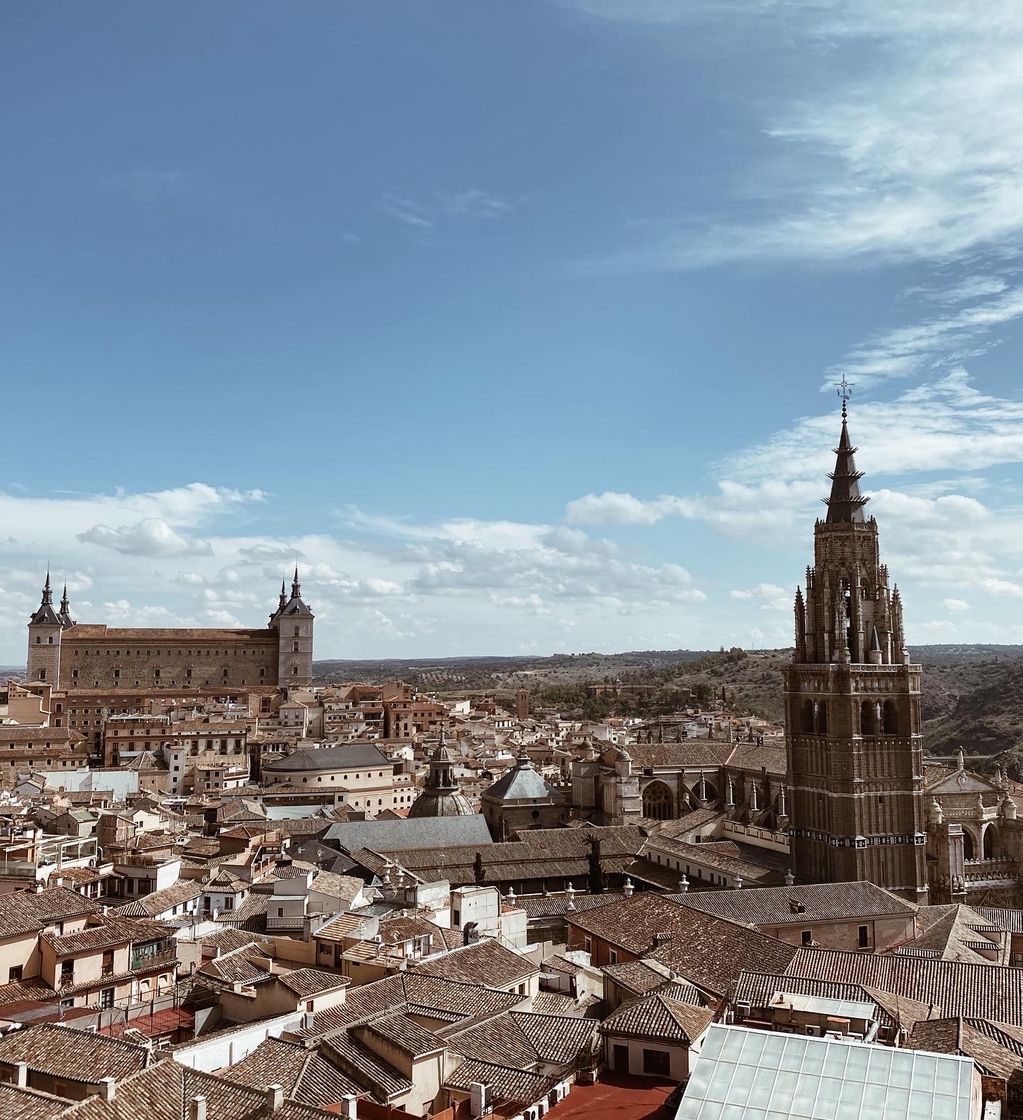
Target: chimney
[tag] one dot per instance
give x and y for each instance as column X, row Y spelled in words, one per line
column 274, row 1097
column 107, row 1088
column 660, row 939
column 21, row 1074
column 349, row 1105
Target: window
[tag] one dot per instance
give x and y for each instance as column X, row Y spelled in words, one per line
column 657, row 1062
column 108, row 963
column 106, row 998
column 806, row 937
column 67, row 972
column 864, row 937
column 14, row 973
column 588, row 944
column 614, row 956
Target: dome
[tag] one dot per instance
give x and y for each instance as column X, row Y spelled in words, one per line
column 441, row 803
column 441, row 796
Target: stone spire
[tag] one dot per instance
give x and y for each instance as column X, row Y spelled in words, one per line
column 45, row 615
column 283, row 601
column 296, row 587
column 65, row 610
column 845, row 503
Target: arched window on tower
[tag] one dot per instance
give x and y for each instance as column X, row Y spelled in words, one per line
column 821, row 709
column 807, row 716
column 658, row 802
column 868, row 717
column 890, row 718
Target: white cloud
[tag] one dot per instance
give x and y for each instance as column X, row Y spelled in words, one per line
column 902, row 141
column 475, row 203
column 767, row 596
column 150, row 537
column 956, row 606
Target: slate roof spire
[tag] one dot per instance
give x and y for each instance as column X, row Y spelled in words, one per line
column 846, row 502
column 45, row 615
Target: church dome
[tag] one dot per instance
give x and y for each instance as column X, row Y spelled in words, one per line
column 441, row 803
column 441, row 796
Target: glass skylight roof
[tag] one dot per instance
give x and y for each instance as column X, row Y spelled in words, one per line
column 746, row 1074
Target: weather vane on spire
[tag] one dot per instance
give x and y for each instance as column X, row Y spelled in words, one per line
column 844, row 390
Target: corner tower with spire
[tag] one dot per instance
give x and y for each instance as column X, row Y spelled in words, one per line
column 44, row 631
column 852, row 707
column 293, row 621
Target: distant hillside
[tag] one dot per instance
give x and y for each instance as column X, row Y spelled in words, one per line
column 973, row 694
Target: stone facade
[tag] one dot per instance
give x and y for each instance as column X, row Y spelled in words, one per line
column 974, row 837
column 852, row 710
column 73, row 657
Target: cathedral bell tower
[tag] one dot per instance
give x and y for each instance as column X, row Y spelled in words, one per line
column 852, row 708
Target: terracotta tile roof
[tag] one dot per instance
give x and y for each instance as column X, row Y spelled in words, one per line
column 820, row 902
column 485, row 962
column 228, row 939
column 27, row 1104
column 506, row 1084
column 641, row 977
column 550, row 1003
column 27, row 911
column 955, row 933
column 749, row 756
column 71, row 1054
column 724, row 856
column 498, row 1040
column 556, row 1038
column 690, row 752
column 234, row 967
column 304, row 1074
column 105, row 931
column 559, row 963
column 758, row 989
column 1009, row 920
column 402, row 1032
column 658, row 1018
column 997, row 1052
column 708, row 951
column 163, row 1092
column 685, row 824
column 159, row 901
column 984, row 991
column 364, row 1067
column 306, row 982
column 415, row 993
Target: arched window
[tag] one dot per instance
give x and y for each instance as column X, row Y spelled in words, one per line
column 990, row 842
column 868, row 717
column 968, row 850
column 822, row 717
column 807, row 718
column 890, row 718
column 658, row 802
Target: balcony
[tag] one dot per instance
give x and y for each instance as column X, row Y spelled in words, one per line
column 289, row 921
column 142, row 961
column 984, row 874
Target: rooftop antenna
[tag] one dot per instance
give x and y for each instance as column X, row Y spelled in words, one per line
column 844, row 389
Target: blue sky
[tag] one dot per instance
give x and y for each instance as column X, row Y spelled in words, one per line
column 515, row 324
